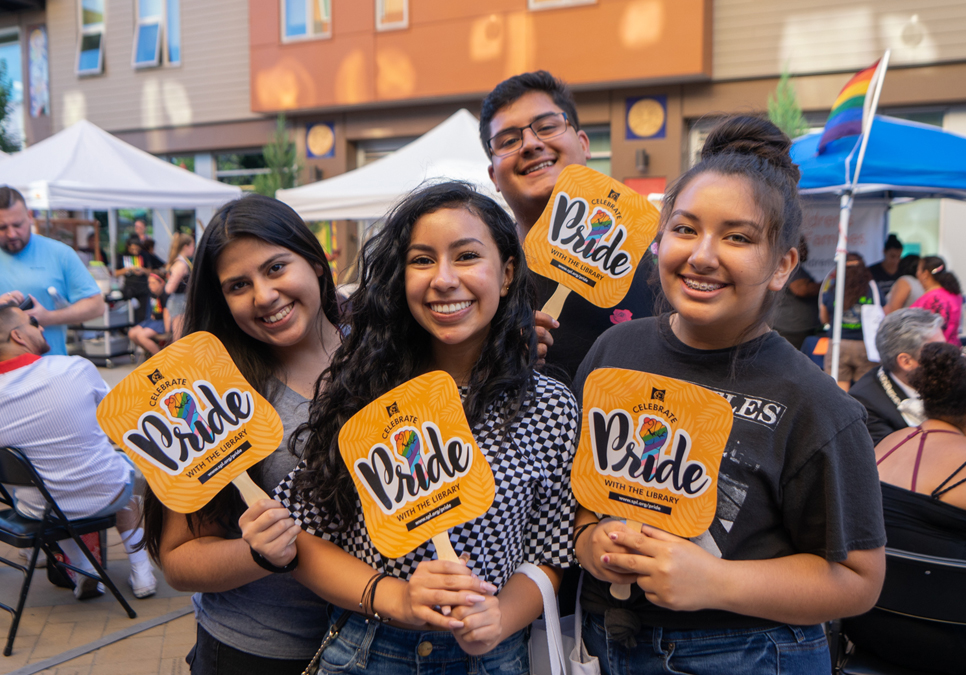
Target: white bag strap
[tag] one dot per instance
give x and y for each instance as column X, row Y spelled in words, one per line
column 550, row 616
column 875, row 293
column 579, row 617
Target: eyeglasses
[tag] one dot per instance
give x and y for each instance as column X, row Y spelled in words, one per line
column 31, row 320
column 544, row 127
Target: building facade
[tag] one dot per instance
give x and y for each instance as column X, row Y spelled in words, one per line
column 202, row 82
column 360, row 79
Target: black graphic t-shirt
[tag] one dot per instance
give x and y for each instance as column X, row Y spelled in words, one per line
column 582, row 322
column 798, row 474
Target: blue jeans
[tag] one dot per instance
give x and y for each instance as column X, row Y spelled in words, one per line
column 380, row 649
column 788, row 650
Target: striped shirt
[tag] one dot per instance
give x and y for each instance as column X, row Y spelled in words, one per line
column 48, row 410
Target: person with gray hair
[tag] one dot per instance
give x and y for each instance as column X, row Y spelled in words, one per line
column 886, row 393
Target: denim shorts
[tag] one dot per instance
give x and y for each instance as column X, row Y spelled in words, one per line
column 789, row 650
column 380, row 649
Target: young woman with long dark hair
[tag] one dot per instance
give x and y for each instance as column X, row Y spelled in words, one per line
column 444, row 286
column 797, row 537
column 261, row 285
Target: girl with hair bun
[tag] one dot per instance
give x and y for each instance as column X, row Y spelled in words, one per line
column 923, row 474
column 943, row 295
column 797, row 537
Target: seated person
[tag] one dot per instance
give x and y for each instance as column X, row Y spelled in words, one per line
column 60, row 436
column 142, row 333
column 885, row 391
column 923, row 475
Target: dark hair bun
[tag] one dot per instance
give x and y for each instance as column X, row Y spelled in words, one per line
column 940, row 380
column 750, row 135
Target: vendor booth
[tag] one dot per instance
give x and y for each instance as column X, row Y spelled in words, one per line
column 904, row 160
column 84, row 167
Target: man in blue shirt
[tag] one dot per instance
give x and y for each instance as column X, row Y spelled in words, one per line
column 31, row 263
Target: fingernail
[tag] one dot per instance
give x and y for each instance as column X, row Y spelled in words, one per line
column 488, row 587
column 605, row 559
column 613, row 536
column 473, row 597
column 446, row 610
column 455, row 624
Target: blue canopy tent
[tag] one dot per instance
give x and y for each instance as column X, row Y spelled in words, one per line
column 903, row 160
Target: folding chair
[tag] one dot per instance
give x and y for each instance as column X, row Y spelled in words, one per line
column 20, row 532
column 923, row 602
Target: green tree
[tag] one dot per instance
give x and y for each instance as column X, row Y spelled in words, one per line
column 282, row 160
column 783, row 108
column 7, row 142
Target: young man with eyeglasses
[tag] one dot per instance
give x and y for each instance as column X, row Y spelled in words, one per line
column 48, row 411
column 530, row 131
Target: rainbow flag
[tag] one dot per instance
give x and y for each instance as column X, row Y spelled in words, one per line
column 850, row 108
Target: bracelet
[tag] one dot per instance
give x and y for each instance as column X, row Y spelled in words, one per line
column 263, row 562
column 365, row 593
column 579, row 531
column 369, row 597
column 372, row 598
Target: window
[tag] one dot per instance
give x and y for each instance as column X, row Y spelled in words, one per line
column 306, row 19
column 90, row 53
column 157, row 38
column 368, row 151
column 240, row 167
column 11, row 75
column 599, row 148
column 392, row 14
column 554, row 4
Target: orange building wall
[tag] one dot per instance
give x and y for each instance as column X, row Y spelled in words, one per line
column 454, row 49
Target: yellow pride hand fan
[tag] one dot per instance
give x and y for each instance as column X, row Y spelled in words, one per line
column 191, row 423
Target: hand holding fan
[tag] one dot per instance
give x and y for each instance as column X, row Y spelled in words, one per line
column 416, row 466
column 650, row 450
column 191, row 423
column 590, row 238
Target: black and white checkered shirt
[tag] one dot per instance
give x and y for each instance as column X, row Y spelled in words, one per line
column 532, row 513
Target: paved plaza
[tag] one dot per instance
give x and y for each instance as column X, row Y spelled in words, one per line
column 95, row 636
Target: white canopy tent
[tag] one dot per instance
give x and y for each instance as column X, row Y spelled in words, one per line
column 84, row 167
column 451, row 150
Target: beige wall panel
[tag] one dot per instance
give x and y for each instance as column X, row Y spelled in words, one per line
column 903, row 87
column 211, row 84
column 755, row 38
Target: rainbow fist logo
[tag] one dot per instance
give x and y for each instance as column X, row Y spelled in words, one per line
column 653, row 433
column 600, row 224
column 182, row 406
column 407, row 447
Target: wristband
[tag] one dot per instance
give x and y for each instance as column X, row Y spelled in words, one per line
column 579, row 531
column 263, row 562
column 369, row 598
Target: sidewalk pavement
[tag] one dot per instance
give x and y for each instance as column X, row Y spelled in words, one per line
column 54, row 622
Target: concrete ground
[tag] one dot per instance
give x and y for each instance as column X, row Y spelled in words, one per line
column 54, row 623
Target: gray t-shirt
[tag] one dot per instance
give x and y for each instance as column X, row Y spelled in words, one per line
column 275, row 617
